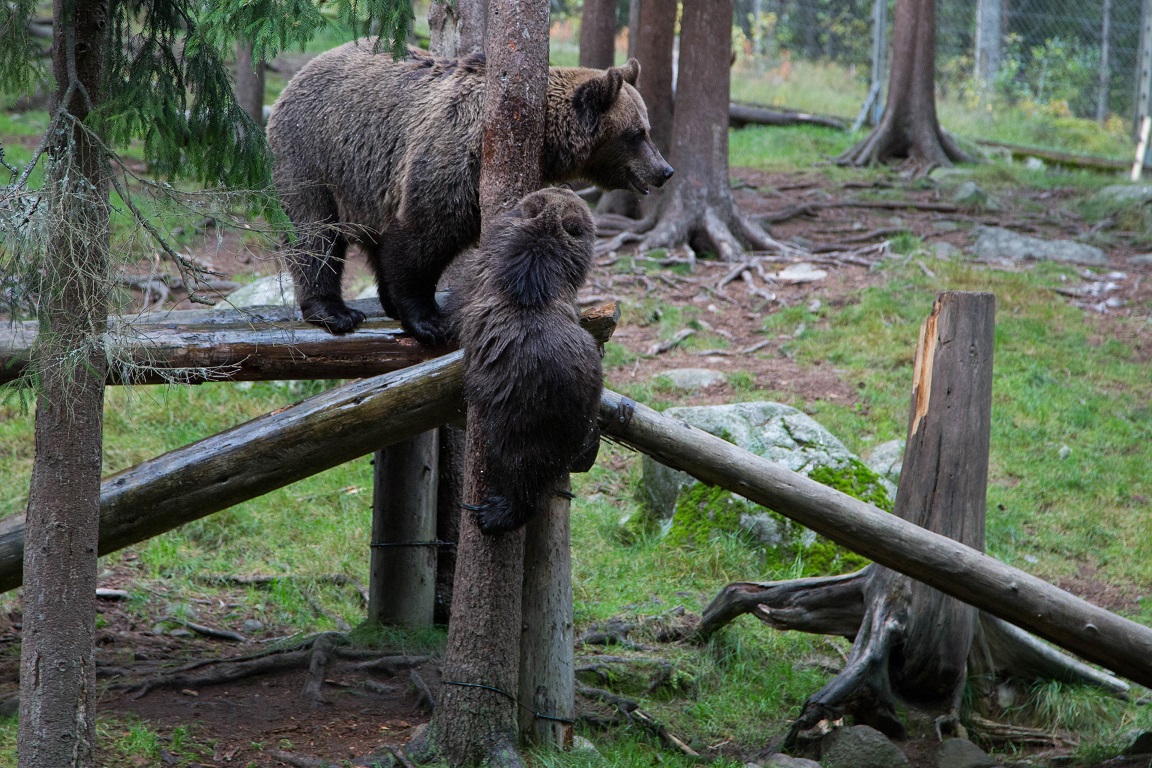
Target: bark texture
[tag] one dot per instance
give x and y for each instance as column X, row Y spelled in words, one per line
column 547, row 670
column 456, row 27
column 250, row 82
column 909, row 128
column 402, row 590
column 650, row 42
column 57, row 669
column 598, row 34
column 696, row 207
column 473, row 722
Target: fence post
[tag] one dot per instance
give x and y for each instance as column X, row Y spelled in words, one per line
column 1144, row 73
column 1105, row 62
column 402, row 585
column 988, row 39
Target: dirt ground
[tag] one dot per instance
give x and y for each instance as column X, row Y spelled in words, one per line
column 244, row 718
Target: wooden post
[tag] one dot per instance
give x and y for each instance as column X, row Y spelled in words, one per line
column 402, row 589
column 1144, row 71
column 1105, row 78
column 547, row 676
column 988, row 41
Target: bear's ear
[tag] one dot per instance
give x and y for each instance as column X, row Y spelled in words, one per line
column 595, row 97
column 631, row 72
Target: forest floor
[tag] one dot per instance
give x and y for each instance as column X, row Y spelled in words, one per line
column 674, row 318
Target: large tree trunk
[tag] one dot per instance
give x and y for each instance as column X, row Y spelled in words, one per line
column 456, row 27
column 250, row 82
column 909, row 129
column 696, row 208
column 650, row 42
column 598, row 34
column 57, row 669
column 476, row 719
column 913, row 639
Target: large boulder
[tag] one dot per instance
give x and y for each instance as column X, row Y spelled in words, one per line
column 961, row 753
column 860, row 746
column 273, row 290
column 997, row 243
column 687, row 511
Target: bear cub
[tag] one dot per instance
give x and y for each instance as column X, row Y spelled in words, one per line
column 532, row 375
column 386, row 154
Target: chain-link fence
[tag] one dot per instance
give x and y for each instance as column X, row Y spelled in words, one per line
column 1038, row 70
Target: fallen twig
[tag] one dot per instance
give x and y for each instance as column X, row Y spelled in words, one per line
column 661, row 347
column 222, row 634
column 632, row 711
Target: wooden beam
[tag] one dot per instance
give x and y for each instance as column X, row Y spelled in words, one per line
column 1020, row 598
column 252, row 344
column 274, row 450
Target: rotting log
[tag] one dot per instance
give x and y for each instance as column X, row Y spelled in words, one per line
column 273, row 450
column 740, row 115
column 251, row 344
column 1015, row 596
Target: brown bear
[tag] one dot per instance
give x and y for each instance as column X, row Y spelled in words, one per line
column 386, row 154
column 532, row 377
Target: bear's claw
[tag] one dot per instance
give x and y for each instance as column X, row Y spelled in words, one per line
column 336, row 317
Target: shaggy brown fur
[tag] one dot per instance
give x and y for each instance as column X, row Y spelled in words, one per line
column 532, row 377
column 387, row 154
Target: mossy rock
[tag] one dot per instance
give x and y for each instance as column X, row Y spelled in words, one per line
column 690, row 513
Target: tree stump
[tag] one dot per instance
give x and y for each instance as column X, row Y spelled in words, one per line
column 909, row 640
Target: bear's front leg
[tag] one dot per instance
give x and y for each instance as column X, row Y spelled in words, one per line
column 331, row 314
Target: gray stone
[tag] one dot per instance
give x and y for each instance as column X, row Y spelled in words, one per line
column 274, row 290
column 1035, row 164
column 886, row 459
column 584, row 747
column 1124, row 194
column 181, row 632
column 801, row 273
column 860, row 746
column 252, row 625
column 694, row 378
column 1141, row 260
column 971, row 194
column 773, row 431
column 781, row 760
column 1000, row 243
column 947, row 251
column 961, row 753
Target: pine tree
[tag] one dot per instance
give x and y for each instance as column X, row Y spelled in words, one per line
column 123, row 70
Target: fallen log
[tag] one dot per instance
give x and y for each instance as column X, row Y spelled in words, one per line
column 740, row 115
column 250, row 344
column 274, row 450
column 1019, row 598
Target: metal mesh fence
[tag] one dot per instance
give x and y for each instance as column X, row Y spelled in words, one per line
column 1056, row 58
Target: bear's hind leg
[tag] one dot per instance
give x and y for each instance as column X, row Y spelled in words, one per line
column 413, row 295
column 375, row 259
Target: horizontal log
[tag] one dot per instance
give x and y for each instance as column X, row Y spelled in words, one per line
column 740, row 115
column 1020, row 598
column 274, row 450
column 251, row 344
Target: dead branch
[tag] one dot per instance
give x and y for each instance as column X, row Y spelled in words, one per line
column 661, row 347
column 425, row 701
column 222, row 634
column 633, row 713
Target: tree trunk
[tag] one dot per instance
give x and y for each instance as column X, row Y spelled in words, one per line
column 250, row 82
column 651, row 45
column 598, row 34
column 57, row 667
column 402, row 589
column 456, row 27
column 988, row 40
column 547, row 670
column 696, row 207
column 909, row 129
column 914, row 640
column 449, row 495
column 476, row 719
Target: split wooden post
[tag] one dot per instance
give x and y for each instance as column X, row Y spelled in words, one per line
column 547, row 666
column 402, row 588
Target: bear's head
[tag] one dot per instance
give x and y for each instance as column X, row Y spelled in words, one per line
column 611, row 126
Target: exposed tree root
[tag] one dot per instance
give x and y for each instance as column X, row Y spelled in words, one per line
column 920, row 146
column 315, row 654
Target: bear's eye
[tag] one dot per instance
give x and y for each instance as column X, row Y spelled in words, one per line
column 635, row 136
